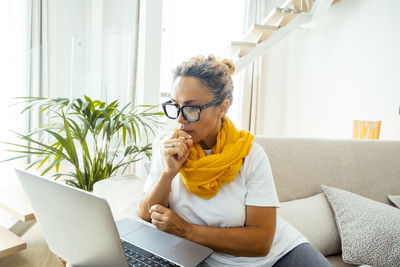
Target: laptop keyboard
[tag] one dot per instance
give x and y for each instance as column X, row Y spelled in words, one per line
column 142, row 258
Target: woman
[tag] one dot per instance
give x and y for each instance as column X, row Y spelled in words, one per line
column 211, row 184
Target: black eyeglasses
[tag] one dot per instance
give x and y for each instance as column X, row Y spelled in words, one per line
column 189, row 112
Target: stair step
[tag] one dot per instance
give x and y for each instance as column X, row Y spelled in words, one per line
column 243, row 47
column 10, row 243
column 14, row 201
column 292, row 14
column 258, row 33
column 301, row 5
column 297, row 4
column 279, row 16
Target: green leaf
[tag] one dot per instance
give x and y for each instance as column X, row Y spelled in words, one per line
column 51, row 166
column 68, row 145
column 14, row 158
column 71, row 145
column 73, row 183
column 43, row 161
column 76, row 123
column 32, row 164
column 124, row 135
column 52, row 149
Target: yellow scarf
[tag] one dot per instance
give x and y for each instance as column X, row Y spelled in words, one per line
column 204, row 175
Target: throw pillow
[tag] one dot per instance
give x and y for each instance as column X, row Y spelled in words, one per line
column 314, row 218
column 395, row 199
column 369, row 230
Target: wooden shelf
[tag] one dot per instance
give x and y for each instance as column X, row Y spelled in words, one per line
column 14, row 201
column 10, row 243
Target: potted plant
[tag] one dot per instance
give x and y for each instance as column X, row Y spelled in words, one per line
column 95, row 140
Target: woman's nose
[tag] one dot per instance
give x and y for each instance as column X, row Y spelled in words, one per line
column 181, row 119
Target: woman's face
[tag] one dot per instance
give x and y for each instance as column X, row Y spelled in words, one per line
column 190, row 91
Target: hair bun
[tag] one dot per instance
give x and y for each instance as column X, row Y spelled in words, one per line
column 229, row 64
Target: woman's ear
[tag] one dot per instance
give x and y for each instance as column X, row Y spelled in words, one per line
column 223, row 108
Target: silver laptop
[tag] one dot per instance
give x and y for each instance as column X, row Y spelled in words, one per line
column 79, row 227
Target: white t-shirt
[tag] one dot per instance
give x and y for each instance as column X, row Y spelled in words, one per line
column 253, row 186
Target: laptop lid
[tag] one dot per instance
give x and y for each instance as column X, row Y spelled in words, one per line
column 77, row 225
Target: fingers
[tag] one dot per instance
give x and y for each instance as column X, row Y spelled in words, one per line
column 168, row 221
column 189, row 142
column 156, row 214
column 175, row 142
column 158, row 208
column 176, row 146
column 156, row 219
column 156, row 223
column 175, row 151
column 180, row 133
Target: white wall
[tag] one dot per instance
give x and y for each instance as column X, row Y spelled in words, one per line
column 319, row 80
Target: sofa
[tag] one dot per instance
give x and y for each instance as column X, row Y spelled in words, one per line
column 301, row 165
column 368, row 170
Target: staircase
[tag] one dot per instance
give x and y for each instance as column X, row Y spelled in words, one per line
column 20, row 219
column 279, row 23
column 10, row 242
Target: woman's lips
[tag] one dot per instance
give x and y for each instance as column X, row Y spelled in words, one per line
column 187, row 131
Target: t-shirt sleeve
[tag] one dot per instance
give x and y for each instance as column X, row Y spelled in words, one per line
column 259, row 181
column 156, row 168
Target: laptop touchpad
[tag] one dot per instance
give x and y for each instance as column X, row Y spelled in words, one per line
column 152, row 239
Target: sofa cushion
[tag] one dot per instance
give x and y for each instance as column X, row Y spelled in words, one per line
column 301, row 165
column 369, row 230
column 395, row 199
column 314, row 218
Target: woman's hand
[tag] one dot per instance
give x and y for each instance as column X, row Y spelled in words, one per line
column 176, row 151
column 254, row 239
column 168, row 221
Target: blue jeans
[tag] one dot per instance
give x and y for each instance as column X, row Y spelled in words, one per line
column 304, row 255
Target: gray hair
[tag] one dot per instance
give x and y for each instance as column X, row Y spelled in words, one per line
column 213, row 73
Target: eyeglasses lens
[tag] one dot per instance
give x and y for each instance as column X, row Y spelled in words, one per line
column 172, row 111
column 191, row 113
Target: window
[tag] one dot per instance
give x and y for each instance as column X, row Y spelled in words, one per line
column 191, row 28
column 13, row 78
column 92, row 48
